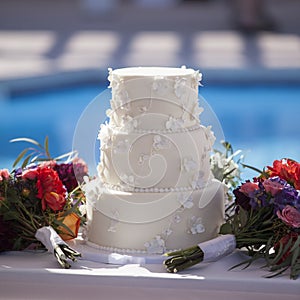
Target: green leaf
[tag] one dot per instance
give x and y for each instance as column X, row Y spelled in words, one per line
column 10, row 215
column 26, row 160
column 226, row 228
column 252, row 168
column 296, row 244
column 282, row 250
column 295, row 250
column 19, row 157
column 46, row 147
column 60, row 223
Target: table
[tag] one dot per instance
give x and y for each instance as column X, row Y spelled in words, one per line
column 27, row 275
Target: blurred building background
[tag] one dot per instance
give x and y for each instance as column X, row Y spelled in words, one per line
column 46, row 37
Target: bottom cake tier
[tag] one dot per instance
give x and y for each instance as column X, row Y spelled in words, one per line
column 153, row 222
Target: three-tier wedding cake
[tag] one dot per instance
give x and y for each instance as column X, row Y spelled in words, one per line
column 154, row 191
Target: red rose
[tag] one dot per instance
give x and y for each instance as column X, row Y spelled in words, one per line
column 50, row 189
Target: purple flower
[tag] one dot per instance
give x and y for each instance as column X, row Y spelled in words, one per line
column 71, row 173
column 66, row 175
column 288, row 196
column 260, row 198
column 242, row 200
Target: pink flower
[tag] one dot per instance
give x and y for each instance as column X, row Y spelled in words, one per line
column 290, row 216
column 272, row 187
column 4, row 174
column 249, row 187
column 80, row 168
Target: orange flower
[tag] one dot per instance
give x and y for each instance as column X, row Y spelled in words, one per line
column 72, row 221
column 286, row 169
column 50, row 189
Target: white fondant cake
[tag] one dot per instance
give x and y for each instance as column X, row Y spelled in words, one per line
column 154, row 191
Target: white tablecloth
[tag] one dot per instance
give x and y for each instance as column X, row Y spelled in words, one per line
column 26, row 275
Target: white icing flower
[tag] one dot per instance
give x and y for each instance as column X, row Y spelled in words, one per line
column 180, row 88
column 186, row 200
column 129, row 124
column 121, row 146
column 195, row 225
column 114, row 80
column 128, row 180
column 167, row 232
column 210, row 136
column 156, row 245
column 143, row 157
column 160, row 85
column 196, row 78
column 92, row 189
column 109, row 112
column 186, row 117
column 110, row 77
column 176, row 219
column 112, row 227
column 197, row 110
column 121, row 98
column 160, row 142
column 100, row 170
column 188, row 164
column 198, row 180
column 105, row 135
column 113, row 222
column 143, row 109
column 174, row 124
column 120, row 95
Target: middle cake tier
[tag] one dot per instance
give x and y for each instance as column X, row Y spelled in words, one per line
column 155, row 161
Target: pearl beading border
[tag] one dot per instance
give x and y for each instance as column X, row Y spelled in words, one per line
column 157, row 131
column 113, row 249
column 122, row 250
column 154, row 190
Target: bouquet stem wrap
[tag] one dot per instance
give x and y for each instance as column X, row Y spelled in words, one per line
column 49, row 238
column 211, row 250
column 218, row 247
column 53, row 242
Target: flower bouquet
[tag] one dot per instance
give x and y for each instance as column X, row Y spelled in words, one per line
column 264, row 220
column 40, row 202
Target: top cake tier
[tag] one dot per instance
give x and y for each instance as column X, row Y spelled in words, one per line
column 154, row 99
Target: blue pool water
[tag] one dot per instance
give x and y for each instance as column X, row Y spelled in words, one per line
column 263, row 121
